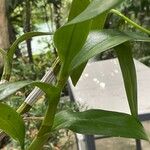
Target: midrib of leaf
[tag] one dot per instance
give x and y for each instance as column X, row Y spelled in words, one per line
column 69, row 46
column 126, row 62
column 132, row 96
column 74, row 65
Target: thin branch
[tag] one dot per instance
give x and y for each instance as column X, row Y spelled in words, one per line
column 130, row 21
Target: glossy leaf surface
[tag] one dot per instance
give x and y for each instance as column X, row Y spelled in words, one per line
column 8, row 89
column 124, row 54
column 100, row 41
column 70, row 39
column 97, row 24
column 95, row 8
column 12, row 123
column 100, row 122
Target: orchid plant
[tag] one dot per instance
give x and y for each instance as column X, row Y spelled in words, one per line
column 81, row 38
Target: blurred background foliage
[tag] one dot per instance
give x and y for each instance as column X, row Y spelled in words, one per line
column 48, row 15
column 138, row 11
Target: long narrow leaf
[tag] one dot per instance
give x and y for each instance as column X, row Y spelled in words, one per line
column 95, row 8
column 70, row 39
column 97, row 24
column 8, row 89
column 100, row 122
column 76, row 73
column 124, row 54
column 100, row 41
column 22, row 38
column 12, row 123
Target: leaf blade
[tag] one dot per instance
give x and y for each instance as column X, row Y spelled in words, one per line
column 100, row 122
column 95, row 8
column 12, row 123
column 97, row 23
column 8, row 89
column 67, row 39
column 124, row 54
column 100, row 41
column 22, row 38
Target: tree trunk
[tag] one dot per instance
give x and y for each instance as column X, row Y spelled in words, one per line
column 27, row 28
column 4, row 34
column 12, row 38
column 4, row 44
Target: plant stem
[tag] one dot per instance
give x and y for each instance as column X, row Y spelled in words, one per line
column 24, row 108
column 130, row 21
column 46, row 126
column 7, row 69
column 47, row 123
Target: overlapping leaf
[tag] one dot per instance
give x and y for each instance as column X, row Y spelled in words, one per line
column 100, row 122
column 22, row 38
column 124, row 54
column 70, row 39
column 8, row 89
column 100, row 41
column 95, row 8
column 12, row 123
column 97, row 24
column 8, row 57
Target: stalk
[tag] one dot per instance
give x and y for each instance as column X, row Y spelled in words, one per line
column 46, row 126
column 7, row 69
column 33, row 96
column 45, row 129
column 130, row 21
column 24, row 108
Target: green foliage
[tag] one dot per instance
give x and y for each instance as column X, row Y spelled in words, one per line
column 22, row 38
column 96, row 24
column 23, row 70
column 12, row 123
column 11, row 51
column 124, row 54
column 100, row 122
column 8, row 89
column 80, row 39
column 67, row 39
column 94, row 9
column 100, row 41
column 139, row 12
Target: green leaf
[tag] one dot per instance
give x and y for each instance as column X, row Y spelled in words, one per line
column 100, row 41
column 70, row 39
column 95, row 8
column 67, row 39
column 124, row 54
column 22, row 38
column 76, row 73
column 100, row 122
column 77, row 7
column 97, row 24
column 99, row 21
column 8, row 89
column 140, row 37
column 12, row 123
